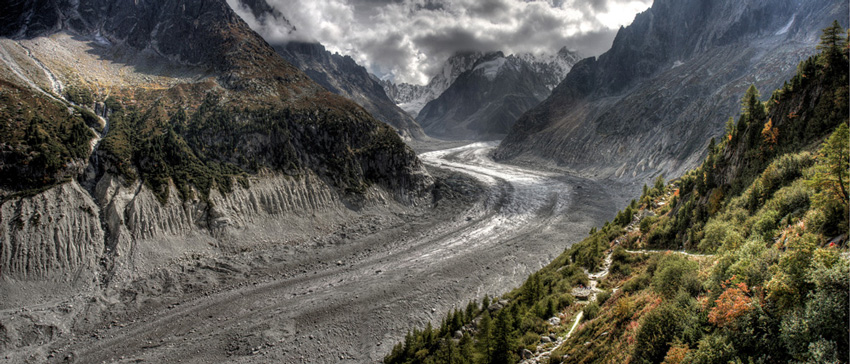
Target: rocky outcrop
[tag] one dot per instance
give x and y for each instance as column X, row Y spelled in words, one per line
column 667, row 85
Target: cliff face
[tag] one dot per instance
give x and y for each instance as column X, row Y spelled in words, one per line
column 667, row 85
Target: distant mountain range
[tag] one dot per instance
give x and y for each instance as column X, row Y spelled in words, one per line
column 670, row 80
column 412, row 98
column 480, row 95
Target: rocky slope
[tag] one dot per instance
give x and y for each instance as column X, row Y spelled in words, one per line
column 485, row 101
column 137, row 133
column 343, row 76
column 668, row 83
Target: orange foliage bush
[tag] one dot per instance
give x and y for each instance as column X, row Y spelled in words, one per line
column 676, row 354
column 733, row 303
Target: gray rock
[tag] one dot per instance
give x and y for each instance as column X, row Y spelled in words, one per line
column 527, row 354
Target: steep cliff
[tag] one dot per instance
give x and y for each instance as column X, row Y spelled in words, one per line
column 651, row 102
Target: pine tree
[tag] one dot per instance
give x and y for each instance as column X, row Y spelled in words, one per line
column 730, row 129
column 832, row 45
column 466, row 348
column 484, row 337
column 832, row 39
column 504, row 339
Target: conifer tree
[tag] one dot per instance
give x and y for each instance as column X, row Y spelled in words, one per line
column 504, row 340
column 484, row 337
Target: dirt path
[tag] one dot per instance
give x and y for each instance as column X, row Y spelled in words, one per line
column 352, row 300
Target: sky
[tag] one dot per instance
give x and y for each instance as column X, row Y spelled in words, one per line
column 408, row 40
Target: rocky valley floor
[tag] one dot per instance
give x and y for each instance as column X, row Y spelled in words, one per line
column 346, row 295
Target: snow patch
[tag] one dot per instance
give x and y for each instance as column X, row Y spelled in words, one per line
column 787, row 26
column 491, row 68
column 100, row 40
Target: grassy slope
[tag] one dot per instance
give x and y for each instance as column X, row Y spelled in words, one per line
column 769, row 215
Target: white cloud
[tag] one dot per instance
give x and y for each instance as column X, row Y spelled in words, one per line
column 409, row 39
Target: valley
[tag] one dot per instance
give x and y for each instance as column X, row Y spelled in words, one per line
column 351, row 293
column 257, row 181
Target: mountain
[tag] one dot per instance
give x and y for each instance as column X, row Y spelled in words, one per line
column 551, row 68
column 485, row 101
column 338, row 74
column 412, row 98
column 138, row 132
column 650, row 103
column 343, row 76
column 742, row 259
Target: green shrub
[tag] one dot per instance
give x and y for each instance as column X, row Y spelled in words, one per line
column 675, row 272
column 715, row 348
column 715, row 233
column 603, row 297
column 591, row 310
column 636, row 283
column 79, row 95
column 565, row 300
column 658, row 329
column 619, row 269
column 646, row 223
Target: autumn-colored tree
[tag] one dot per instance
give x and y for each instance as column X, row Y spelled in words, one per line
column 733, row 303
column 676, row 354
column 770, row 135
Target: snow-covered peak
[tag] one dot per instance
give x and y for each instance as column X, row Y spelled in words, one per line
column 491, row 68
column 552, row 67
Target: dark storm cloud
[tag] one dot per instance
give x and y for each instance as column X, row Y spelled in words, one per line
column 409, row 39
